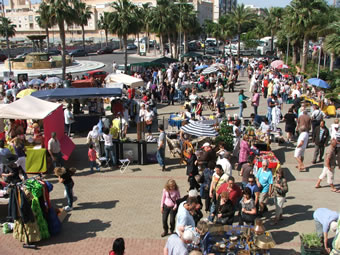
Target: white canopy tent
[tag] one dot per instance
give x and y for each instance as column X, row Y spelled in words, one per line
column 28, row 107
column 125, row 79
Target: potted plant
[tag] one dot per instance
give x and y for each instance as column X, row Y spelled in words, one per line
column 311, row 244
column 225, row 135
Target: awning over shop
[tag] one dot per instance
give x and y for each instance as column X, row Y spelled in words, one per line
column 65, row 93
column 165, row 60
column 125, row 79
column 28, row 107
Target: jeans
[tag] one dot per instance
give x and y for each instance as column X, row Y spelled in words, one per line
column 69, row 193
column 212, row 209
column 109, row 154
column 161, row 156
column 166, row 212
column 68, row 129
column 94, row 164
column 269, row 114
column 148, row 128
column 241, row 110
column 58, row 160
column 318, row 149
column 284, row 97
column 255, row 109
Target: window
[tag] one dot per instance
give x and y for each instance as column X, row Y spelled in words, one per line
column 30, row 18
column 31, row 26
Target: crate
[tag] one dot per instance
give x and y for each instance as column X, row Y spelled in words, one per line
column 310, row 251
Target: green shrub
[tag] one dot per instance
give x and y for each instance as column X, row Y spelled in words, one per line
column 311, row 240
column 225, row 136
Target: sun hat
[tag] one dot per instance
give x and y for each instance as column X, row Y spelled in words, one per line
column 206, row 145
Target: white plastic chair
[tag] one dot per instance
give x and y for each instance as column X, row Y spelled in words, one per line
column 124, row 164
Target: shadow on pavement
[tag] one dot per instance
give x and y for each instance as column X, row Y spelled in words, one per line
column 74, row 232
column 97, row 205
column 283, row 236
column 275, row 251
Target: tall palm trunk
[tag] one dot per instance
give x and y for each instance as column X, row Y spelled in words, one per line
column 83, row 34
column 125, row 53
column 8, row 53
column 63, row 47
column 148, row 42
column 106, row 39
column 295, row 53
column 170, row 46
column 47, row 39
column 272, row 42
column 161, row 46
column 304, row 54
column 223, row 47
column 331, row 64
column 239, row 42
column 138, row 50
column 185, row 42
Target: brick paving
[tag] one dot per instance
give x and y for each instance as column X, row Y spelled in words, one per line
column 109, row 204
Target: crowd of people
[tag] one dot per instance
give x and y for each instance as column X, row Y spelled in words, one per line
column 211, row 185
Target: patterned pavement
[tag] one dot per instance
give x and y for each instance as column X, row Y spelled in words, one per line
column 109, row 204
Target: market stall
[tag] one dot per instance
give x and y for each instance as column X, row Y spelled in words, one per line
column 124, row 79
column 83, row 122
column 273, row 161
column 52, row 115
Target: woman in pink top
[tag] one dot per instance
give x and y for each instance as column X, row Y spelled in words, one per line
column 244, row 152
column 169, row 206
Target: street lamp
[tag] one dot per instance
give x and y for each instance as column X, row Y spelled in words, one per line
column 321, row 41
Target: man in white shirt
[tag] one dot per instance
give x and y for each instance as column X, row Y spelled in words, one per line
column 114, row 67
column 225, row 163
column 301, row 147
column 69, row 119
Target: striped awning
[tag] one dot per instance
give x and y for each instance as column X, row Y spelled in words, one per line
column 199, row 129
column 210, row 69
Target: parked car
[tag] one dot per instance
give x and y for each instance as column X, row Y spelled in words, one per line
column 96, row 74
column 213, row 51
column 131, row 46
column 192, row 46
column 54, row 52
column 78, row 53
column 121, row 68
column 3, row 57
column 105, row 50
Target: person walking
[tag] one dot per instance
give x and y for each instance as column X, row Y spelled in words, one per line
column 255, row 101
column 300, row 148
column 329, row 166
column 264, row 180
column 161, row 147
column 244, row 152
column 109, row 149
column 92, row 154
column 280, row 190
column 241, row 101
column 54, row 150
column 169, row 206
column 290, row 120
column 320, row 138
column 69, row 119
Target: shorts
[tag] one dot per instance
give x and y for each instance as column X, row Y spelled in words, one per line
column 264, row 197
column 330, row 175
column 299, row 152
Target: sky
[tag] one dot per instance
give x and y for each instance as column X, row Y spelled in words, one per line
column 269, row 3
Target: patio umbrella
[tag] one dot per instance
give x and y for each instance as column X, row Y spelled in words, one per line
column 210, row 69
column 277, row 63
column 36, row 82
column 201, row 67
column 198, row 129
column 25, row 92
column 318, row 83
column 52, row 80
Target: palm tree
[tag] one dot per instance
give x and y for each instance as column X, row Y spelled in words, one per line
column 62, row 12
column 146, row 13
column 44, row 20
column 188, row 21
column 7, row 30
column 84, row 13
column 227, row 29
column 139, row 24
column 241, row 17
column 123, row 21
column 104, row 23
column 273, row 18
column 309, row 16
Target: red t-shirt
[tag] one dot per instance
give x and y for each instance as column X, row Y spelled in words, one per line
column 265, row 83
column 260, row 66
column 234, row 194
column 131, row 92
column 92, row 155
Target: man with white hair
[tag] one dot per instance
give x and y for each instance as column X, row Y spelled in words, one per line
column 264, row 180
column 301, row 147
column 325, row 221
column 178, row 244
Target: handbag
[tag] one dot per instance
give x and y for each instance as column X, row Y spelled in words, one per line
column 244, row 105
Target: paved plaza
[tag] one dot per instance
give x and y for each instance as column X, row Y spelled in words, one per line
column 109, row 204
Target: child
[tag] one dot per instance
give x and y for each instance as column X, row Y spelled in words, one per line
column 65, row 177
column 92, row 158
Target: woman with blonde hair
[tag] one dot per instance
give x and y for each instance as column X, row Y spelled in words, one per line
column 169, row 205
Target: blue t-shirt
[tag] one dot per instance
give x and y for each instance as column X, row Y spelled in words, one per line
column 265, row 178
column 253, row 188
column 184, row 218
column 325, row 217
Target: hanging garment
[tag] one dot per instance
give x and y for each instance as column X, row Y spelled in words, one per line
column 32, row 230
column 18, row 201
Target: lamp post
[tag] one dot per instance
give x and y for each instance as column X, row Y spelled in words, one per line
column 321, row 41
